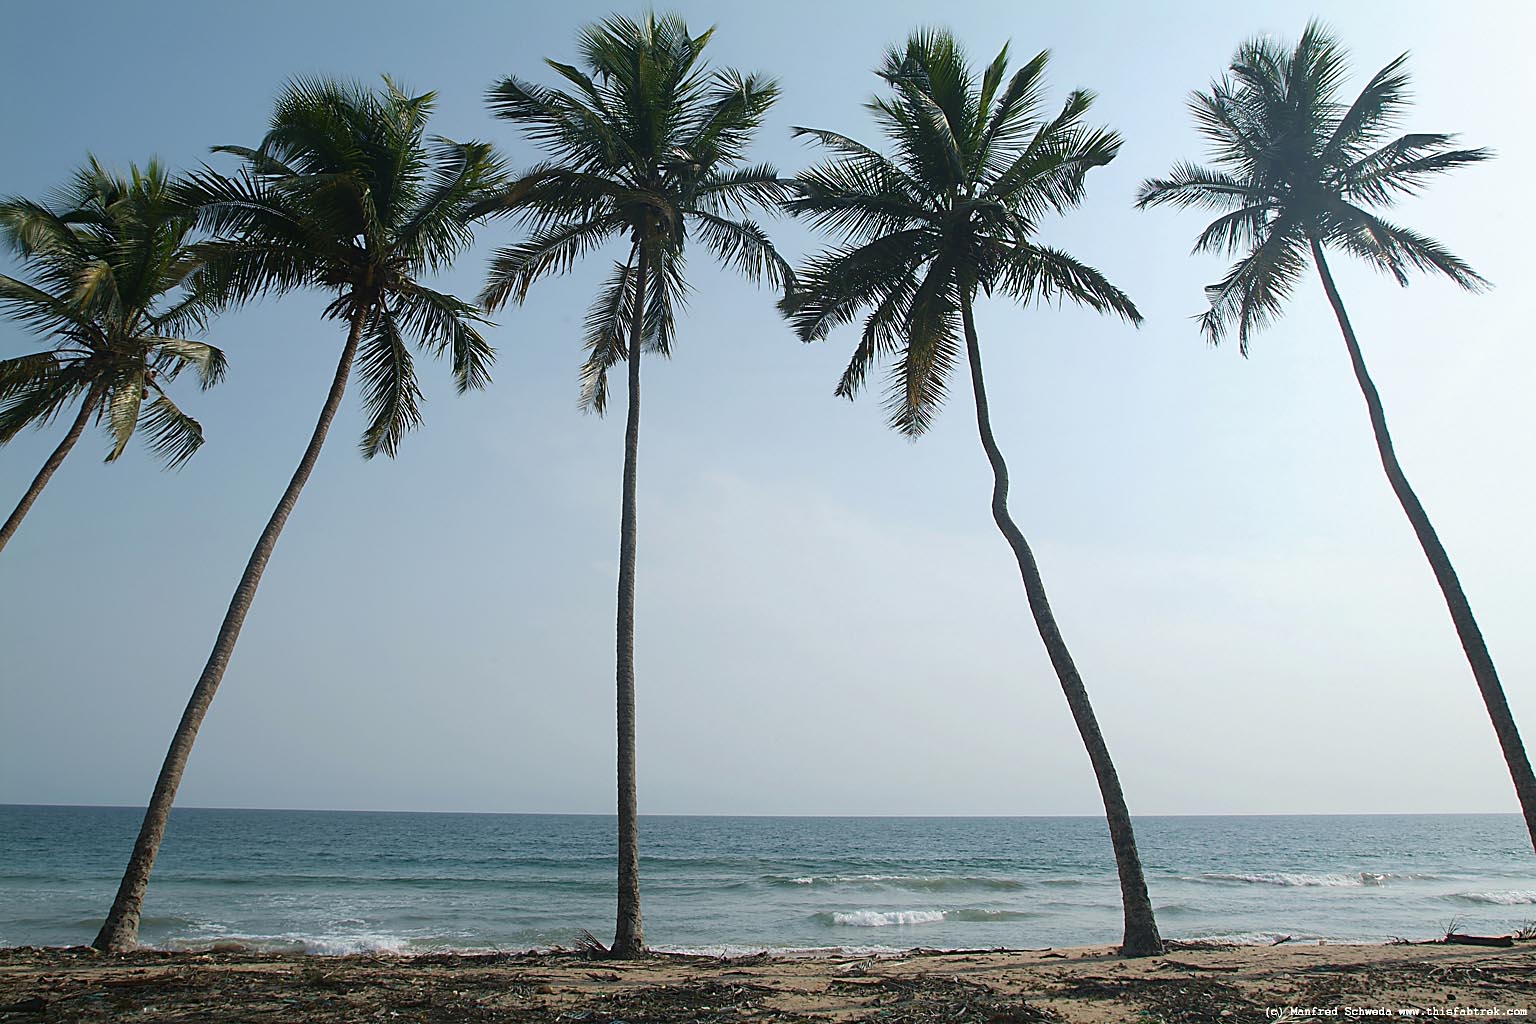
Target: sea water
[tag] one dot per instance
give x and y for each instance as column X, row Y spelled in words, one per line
column 339, row 882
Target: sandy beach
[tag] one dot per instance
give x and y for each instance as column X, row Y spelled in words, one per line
column 1192, row 983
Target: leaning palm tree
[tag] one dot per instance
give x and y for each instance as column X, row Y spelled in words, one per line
column 647, row 146
column 1298, row 172
column 345, row 195
column 109, row 256
column 952, row 213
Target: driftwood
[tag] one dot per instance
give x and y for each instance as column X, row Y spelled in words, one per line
column 1458, row 939
column 1281, row 941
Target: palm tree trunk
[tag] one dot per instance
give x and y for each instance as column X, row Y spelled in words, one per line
column 629, row 936
column 1445, row 574
column 120, row 932
column 49, row 467
column 1141, row 936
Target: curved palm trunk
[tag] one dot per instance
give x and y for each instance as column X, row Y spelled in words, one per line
column 1141, row 936
column 49, row 468
column 120, row 932
column 629, row 936
column 1456, row 601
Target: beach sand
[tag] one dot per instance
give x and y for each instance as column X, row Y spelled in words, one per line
column 1224, row 985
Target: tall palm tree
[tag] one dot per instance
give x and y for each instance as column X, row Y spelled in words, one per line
column 954, row 211
column 109, row 256
column 344, row 194
column 646, row 146
column 1299, row 172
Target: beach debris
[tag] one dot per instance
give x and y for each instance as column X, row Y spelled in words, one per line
column 590, row 945
column 1282, row 940
column 1458, row 939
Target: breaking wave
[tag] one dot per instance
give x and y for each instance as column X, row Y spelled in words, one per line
column 890, row 918
column 918, row 882
column 1286, row 878
column 1510, row 898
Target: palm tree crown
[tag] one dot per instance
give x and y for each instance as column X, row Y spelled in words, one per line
column 1294, row 164
column 955, row 209
column 346, row 194
column 109, row 257
column 647, row 146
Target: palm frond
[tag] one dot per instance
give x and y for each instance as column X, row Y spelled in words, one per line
column 172, row 355
column 172, row 435
column 1396, row 250
column 391, row 395
column 1255, row 289
column 551, row 250
column 1042, row 274
column 606, row 338
column 124, row 397
column 36, row 401
column 919, row 378
column 744, row 246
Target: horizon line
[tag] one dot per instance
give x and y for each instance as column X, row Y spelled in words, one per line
column 712, row 814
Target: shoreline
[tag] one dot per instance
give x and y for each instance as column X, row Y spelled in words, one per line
column 1192, row 982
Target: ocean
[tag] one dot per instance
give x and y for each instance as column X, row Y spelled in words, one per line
column 343, row 882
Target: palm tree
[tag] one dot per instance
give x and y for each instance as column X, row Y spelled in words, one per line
column 345, row 195
column 109, row 257
column 647, row 147
column 954, row 211
column 1299, row 172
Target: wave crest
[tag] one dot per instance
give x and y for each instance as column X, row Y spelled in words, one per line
column 907, row 918
column 918, row 882
column 1510, row 898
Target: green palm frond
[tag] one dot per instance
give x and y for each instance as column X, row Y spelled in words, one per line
column 173, row 355
column 919, row 377
column 606, row 335
column 744, row 246
column 390, row 391
column 1396, row 250
column 551, row 250
column 447, row 325
column 172, row 435
column 1041, row 274
column 124, row 397
column 21, row 373
column 1189, row 185
column 36, row 401
column 1255, row 289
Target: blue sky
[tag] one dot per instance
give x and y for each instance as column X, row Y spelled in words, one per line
column 828, row 622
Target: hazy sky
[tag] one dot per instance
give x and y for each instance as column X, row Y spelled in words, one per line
column 827, row 620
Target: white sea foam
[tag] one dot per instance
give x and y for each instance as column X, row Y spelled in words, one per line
column 1509, row 898
column 1287, row 878
column 884, row 919
column 319, row 945
column 904, row 881
column 887, row 918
